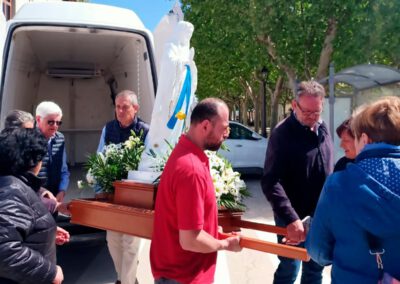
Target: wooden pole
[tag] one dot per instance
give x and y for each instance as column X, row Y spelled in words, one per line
column 269, row 247
column 260, row 227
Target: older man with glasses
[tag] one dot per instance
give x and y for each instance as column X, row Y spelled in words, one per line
column 298, row 160
column 54, row 167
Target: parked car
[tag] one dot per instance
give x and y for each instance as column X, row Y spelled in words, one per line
column 246, row 149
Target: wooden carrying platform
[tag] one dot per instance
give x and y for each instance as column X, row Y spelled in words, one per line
column 130, row 213
column 109, row 216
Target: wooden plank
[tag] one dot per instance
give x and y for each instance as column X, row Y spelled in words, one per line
column 259, row 227
column 114, row 217
column 135, row 194
column 269, row 247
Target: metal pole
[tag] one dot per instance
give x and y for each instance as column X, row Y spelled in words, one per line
column 264, row 111
column 332, row 99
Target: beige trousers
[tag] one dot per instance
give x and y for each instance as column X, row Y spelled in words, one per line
column 124, row 251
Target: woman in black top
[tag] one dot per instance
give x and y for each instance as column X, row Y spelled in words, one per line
column 347, row 144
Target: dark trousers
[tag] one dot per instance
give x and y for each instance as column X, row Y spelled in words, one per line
column 288, row 268
column 163, row 280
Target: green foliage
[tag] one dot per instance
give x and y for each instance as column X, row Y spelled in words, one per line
column 114, row 162
column 228, row 48
column 221, row 42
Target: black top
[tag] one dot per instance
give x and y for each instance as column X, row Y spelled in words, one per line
column 342, row 163
column 298, row 160
column 116, row 134
column 27, row 233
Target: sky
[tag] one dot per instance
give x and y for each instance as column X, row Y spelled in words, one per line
column 149, row 11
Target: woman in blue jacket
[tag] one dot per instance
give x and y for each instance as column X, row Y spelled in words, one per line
column 362, row 202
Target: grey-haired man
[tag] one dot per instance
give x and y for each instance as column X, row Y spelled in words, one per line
column 54, row 167
column 298, row 160
column 123, row 248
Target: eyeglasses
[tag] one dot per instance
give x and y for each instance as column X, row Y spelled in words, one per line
column 307, row 112
column 52, row 122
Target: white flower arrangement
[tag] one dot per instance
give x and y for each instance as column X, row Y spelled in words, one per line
column 113, row 163
column 117, row 159
column 230, row 189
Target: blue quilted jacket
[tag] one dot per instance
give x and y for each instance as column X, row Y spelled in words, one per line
column 365, row 197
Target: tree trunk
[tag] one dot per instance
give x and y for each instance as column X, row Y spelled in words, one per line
column 231, row 103
column 250, row 95
column 327, row 50
column 290, row 73
column 232, row 111
column 257, row 114
column 243, row 110
column 275, row 102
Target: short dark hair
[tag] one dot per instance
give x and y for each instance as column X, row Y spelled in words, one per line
column 206, row 109
column 21, row 149
column 345, row 126
column 17, row 118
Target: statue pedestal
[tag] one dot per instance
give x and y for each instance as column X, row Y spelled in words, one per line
column 135, row 194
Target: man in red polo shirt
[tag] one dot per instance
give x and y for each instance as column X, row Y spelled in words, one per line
column 185, row 237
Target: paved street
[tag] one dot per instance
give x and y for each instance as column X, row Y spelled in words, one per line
column 94, row 265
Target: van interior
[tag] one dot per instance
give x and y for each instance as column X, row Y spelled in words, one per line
column 80, row 69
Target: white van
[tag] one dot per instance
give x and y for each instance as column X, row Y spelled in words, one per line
column 78, row 55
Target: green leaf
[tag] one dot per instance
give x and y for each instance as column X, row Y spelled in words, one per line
column 115, row 162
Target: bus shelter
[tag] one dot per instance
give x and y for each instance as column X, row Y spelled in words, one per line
column 352, row 87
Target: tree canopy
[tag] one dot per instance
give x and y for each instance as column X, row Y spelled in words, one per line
column 296, row 40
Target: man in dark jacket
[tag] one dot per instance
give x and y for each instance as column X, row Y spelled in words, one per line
column 298, row 160
column 123, row 248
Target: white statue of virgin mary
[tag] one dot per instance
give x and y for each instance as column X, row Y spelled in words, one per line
column 175, row 94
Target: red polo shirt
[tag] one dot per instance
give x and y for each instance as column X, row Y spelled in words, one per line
column 185, row 201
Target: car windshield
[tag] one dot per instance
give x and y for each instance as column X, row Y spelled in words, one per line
column 239, row 132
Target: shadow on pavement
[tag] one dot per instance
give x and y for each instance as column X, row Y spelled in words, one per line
column 86, row 265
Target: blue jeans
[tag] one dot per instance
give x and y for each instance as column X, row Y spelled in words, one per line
column 289, row 268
